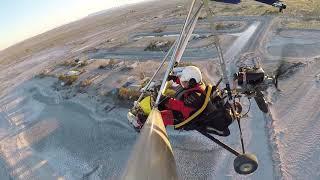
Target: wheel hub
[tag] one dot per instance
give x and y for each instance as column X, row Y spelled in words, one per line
column 246, row 167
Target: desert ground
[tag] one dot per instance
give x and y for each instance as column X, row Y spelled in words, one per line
column 65, row 94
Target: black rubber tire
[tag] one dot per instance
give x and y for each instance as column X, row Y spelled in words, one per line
column 284, row 6
column 261, row 102
column 245, row 164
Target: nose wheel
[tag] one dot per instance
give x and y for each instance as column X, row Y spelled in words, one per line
column 245, row 164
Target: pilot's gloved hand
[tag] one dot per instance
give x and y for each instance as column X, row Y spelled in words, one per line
column 172, row 77
column 144, row 89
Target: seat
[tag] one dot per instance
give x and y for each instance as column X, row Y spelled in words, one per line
column 213, row 117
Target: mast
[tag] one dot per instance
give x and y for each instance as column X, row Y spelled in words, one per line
column 184, row 37
column 216, row 42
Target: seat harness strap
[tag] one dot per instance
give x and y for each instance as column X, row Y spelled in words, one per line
column 194, row 115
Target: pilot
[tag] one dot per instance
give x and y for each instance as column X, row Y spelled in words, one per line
column 188, row 99
column 215, row 118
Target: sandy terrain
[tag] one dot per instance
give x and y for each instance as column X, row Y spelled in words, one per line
column 50, row 131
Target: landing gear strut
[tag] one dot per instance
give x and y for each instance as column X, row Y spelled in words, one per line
column 244, row 163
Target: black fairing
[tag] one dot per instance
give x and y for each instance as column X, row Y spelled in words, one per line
column 254, row 78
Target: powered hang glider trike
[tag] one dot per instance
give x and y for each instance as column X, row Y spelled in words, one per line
column 250, row 82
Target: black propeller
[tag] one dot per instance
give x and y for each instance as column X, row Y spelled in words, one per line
column 280, row 70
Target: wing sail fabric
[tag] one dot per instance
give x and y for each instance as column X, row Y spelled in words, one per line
column 229, row 1
column 270, row 2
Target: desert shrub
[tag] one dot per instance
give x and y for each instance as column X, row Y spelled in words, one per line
column 102, row 66
column 86, row 82
column 126, row 69
column 68, row 80
column 159, row 46
column 128, row 94
column 44, row 73
column 202, row 17
column 83, row 63
column 159, row 30
column 220, row 26
column 110, row 64
column 69, row 63
column 151, row 47
column 270, row 12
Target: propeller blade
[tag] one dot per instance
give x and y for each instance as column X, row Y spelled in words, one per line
column 280, row 68
column 259, row 98
column 275, row 82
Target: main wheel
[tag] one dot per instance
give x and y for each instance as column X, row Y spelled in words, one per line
column 245, row 164
column 261, row 102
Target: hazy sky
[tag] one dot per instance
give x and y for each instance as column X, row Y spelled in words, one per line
column 21, row 19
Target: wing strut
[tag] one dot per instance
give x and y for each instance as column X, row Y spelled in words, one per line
column 184, row 37
column 216, row 42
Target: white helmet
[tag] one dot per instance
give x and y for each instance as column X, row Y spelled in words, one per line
column 190, row 72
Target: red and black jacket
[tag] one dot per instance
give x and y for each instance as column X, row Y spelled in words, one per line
column 189, row 101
